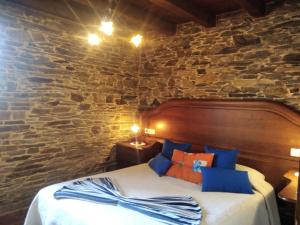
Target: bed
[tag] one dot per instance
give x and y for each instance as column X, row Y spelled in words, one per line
column 141, row 181
column 263, row 131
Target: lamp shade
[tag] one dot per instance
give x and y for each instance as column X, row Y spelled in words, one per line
column 295, row 152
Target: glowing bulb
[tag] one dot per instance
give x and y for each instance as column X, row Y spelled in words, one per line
column 149, row 131
column 136, row 40
column 93, row 39
column 135, row 128
column 107, row 27
column 160, row 125
column 295, row 152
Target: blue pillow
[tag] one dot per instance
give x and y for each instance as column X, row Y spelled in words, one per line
column 225, row 159
column 160, row 164
column 169, row 146
column 224, row 180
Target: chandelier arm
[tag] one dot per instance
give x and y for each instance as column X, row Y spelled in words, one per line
column 75, row 15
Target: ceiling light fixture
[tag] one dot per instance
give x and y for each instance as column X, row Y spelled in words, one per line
column 107, row 27
column 136, row 40
column 93, row 39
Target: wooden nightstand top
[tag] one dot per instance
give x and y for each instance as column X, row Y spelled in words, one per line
column 289, row 193
column 129, row 155
column 139, row 147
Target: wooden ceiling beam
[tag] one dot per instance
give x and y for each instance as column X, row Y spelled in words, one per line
column 255, row 8
column 139, row 20
column 188, row 10
column 145, row 19
column 60, row 9
column 83, row 2
column 131, row 16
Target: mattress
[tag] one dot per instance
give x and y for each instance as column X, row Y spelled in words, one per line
column 140, row 181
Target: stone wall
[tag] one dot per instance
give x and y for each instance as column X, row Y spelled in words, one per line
column 242, row 57
column 63, row 104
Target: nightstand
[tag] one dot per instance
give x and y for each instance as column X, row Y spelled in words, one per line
column 287, row 199
column 130, row 155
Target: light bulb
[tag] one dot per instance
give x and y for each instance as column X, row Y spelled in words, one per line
column 106, row 27
column 93, row 39
column 136, row 40
column 295, row 152
column 135, row 128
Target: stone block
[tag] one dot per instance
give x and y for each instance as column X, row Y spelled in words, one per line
column 109, row 99
column 292, row 58
column 76, row 97
column 37, row 36
column 148, row 67
column 40, row 80
column 244, row 40
column 40, row 111
column 5, row 115
column 201, row 71
column 18, row 115
column 84, row 106
column 3, row 105
column 14, row 128
column 227, row 50
column 242, row 95
column 171, row 62
column 275, row 91
column 58, row 122
column 17, row 158
column 14, row 122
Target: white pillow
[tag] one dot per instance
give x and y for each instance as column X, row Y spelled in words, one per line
column 255, row 176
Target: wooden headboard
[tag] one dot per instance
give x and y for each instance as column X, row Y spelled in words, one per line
column 263, row 131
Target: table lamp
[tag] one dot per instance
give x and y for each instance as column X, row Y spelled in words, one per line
column 136, row 129
column 295, row 152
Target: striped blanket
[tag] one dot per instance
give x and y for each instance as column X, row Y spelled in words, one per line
column 167, row 209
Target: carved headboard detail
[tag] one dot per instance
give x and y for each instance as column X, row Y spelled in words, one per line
column 263, row 131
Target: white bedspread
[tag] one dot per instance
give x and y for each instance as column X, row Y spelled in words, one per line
column 140, row 181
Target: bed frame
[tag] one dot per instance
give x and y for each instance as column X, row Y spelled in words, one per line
column 263, row 131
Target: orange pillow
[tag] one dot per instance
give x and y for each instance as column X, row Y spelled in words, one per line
column 186, row 166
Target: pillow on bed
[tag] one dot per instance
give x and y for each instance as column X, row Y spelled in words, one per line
column 169, row 146
column 160, row 164
column 225, row 180
column 255, row 177
column 225, row 159
column 187, row 166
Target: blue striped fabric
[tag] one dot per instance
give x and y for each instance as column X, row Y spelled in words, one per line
column 167, row 209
